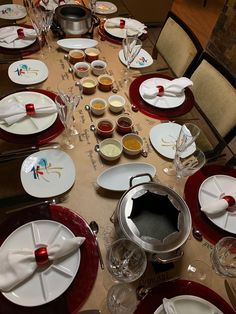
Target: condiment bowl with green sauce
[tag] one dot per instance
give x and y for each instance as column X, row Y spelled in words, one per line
column 98, row 106
column 110, row 149
column 132, row 144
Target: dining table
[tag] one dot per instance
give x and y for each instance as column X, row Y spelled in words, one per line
column 85, row 200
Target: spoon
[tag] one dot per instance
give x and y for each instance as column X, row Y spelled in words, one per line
column 87, row 108
column 144, row 153
column 97, row 148
column 197, row 234
column 94, row 227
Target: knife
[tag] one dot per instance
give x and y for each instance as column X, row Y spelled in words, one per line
column 89, row 312
column 26, row 150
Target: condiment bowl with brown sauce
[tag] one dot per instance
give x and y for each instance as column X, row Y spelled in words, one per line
column 124, row 124
column 98, row 106
column 98, row 67
column 132, row 144
column 105, row 82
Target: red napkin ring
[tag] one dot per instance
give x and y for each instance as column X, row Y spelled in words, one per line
column 41, row 256
column 20, row 33
column 122, row 23
column 30, row 109
column 160, row 90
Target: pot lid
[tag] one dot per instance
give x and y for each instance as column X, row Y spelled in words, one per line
column 155, row 217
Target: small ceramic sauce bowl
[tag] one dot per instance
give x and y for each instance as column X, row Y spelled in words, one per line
column 105, row 82
column 81, row 69
column 76, row 56
column 91, row 54
column 116, row 103
column 98, row 67
column 105, row 128
column 98, row 106
column 110, row 149
column 124, row 124
column 132, row 144
column 89, row 85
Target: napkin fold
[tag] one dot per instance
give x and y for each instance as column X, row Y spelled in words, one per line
column 9, row 34
column 169, row 306
column 127, row 24
column 218, row 206
column 18, row 265
column 172, row 88
column 53, row 4
column 16, row 111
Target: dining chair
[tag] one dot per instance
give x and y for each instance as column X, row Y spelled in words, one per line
column 214, row 90
column 177, row 45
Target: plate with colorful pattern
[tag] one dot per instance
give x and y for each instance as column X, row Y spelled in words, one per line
column 12, row 11
column 27, row 72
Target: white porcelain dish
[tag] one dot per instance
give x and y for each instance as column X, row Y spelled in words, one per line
column 214, row 188
column 12, row 11
column 117, row 31
column 163, row 137
column 142, row 60
column 105, row 7
column 18, row 43
column 27, row 72
column 47, row 173
column 164, row 102
column 117, row 178
column 76, row 43
column 186, row 304
column 29, row 125
column 43, row 286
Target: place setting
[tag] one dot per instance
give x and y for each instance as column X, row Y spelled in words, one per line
column 12, row 11
column 36, row 122
column 210, row 195
column 160, row 96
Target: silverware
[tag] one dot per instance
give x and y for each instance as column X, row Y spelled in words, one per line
column 88, row 108
column 22, row 152
column 94, row 227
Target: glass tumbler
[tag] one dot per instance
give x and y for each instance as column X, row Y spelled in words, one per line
column 223, row 257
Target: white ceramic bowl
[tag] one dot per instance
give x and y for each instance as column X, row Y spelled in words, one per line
column 116, row 103
column 110, row 149
column 98, row 106
column 132, row 144
column 98, row 67
column 81, row 69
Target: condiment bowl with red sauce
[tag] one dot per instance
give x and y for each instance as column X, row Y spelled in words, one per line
column 105, row 128
column 132, row 144
column 98, row 106
column 124, row 124
column 98, row 67
column 81, row 69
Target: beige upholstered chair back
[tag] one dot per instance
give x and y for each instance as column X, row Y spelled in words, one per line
column 177, row 45
column 215, row 96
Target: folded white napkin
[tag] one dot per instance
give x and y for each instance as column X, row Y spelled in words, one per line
column 16, row 111
column 18, row 265
column 53, row 4
column 171, row 88
column 218, row 206
column 9, row 34
column 129, row 24
column 169, row 306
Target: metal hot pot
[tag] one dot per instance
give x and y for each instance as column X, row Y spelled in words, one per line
column 156, row 218
column 73, row 19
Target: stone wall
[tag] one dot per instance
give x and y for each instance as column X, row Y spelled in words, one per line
column 222, row 44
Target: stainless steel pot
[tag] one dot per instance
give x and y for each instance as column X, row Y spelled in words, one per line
column 73, row 19
column 140, row 217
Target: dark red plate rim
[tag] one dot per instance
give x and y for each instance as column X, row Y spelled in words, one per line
column 153, row 112
column 181, row 287
column 39, row 138
column 34, row 47
column 76, row 295
column 199, row 220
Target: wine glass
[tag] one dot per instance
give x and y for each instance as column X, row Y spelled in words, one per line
column 71, row 95
column 93, row 6
column 187, row 135
column 126, row 262
column 47, row 16
column 65, row 112
column 131, row 47
column 223, row 257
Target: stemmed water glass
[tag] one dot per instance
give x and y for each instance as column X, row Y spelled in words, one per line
column 71, row 95
column 47, row 16
column 126, row 262
column 131, row 47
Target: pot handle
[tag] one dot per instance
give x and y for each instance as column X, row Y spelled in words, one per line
column 139, row 175
column 173, row 257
